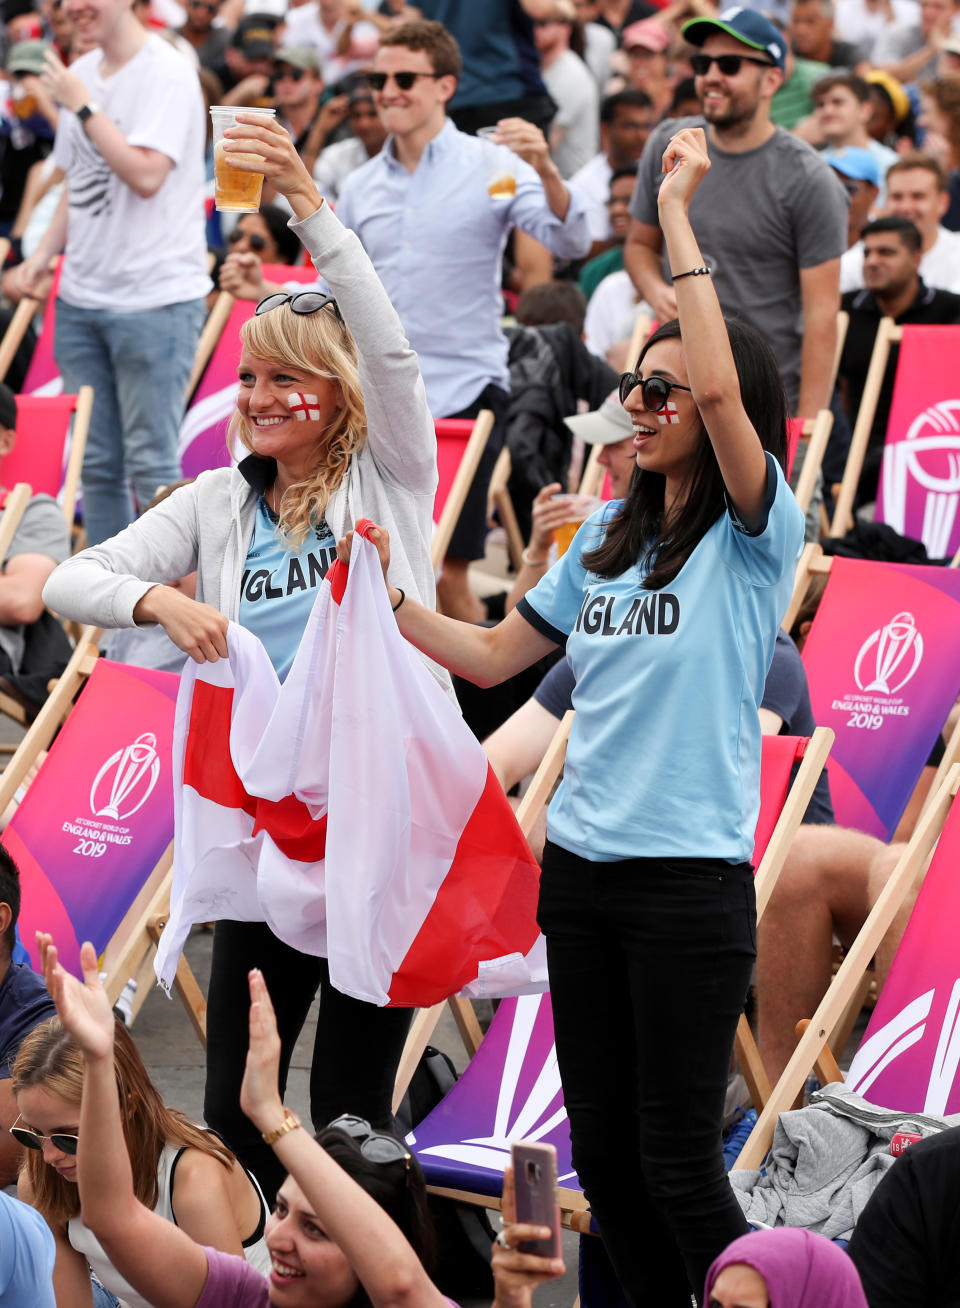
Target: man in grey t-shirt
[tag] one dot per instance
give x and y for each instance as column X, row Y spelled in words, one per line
column 770, row 216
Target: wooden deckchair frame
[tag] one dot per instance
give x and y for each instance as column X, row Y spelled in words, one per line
column 426, row 1019
column 22, row 317
column 498, row 498
column 78, row 444
column 209, row 336
column 13, row 511
column 129, row 952
column 888, row 333
column 816, row 433
column 914, row 861
column 469, row 462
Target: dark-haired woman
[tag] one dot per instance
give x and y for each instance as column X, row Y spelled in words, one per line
column 668, row 603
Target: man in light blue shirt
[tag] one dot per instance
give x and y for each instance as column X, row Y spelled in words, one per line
column 434, row 210
column 26, row 1257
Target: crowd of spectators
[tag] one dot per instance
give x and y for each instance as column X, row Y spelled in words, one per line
column 501, row 163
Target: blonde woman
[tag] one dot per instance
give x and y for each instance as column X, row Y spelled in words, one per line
column 333, row 411
column 180, row 1172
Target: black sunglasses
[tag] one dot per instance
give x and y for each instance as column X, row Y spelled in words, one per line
column 256, row 242
column 375, row 1147
column 284, row 70
column 729, row 64
column 67, row 1144
column 301, row 302
column 654, row 391
column 404, row 80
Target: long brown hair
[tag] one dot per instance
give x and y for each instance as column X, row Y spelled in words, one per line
column 51, row 1059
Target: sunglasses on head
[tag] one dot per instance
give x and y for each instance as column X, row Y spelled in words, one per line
column 285, row 71
column 729, row 64
column 67, row 1144
column 404, row 80
column 654, row 391
column 375, row 1147
column 302, row 302
column 256, row 242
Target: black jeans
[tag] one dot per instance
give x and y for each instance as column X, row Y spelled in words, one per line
column 470, row 534
column 355, row 1055
column 649, row 963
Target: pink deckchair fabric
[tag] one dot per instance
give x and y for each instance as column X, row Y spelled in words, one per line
column 919, row 490
column 40, row 454
column 511, row 1090
column 910, row 1053
column 453, row 436
column 98, row 816
column 794, row 436
column 883, row 673
column 43, row 375
column 203, row 432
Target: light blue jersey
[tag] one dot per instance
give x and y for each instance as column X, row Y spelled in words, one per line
column 664, row 755
column 279, row 585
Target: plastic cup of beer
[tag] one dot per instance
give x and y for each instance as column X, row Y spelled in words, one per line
column 581, row 506
column 235, row 191
column 501, row 170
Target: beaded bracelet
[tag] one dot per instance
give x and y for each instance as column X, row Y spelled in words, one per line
column 692, row 272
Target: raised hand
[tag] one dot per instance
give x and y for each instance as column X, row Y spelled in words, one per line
column 685, row 164
column 259, row 1091
column 83, row 1008
column 261, row 145
column 378, row 536
column 516, row 1275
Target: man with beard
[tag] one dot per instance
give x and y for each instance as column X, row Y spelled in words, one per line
column 770, row 217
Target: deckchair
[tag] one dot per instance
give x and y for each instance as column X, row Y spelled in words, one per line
column 919, row 490
column 910, row 1053
column 499, row 502
column 816, row 431
column 16, row 330
column 213, row 380
column 511, row 1090
column 93, row 834
column 52, row 436
column 460, row 446
column 43, row 375
column 883, row 673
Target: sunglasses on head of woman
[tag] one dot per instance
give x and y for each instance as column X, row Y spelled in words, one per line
column 374, row 1146
column 301, row 302
column 654, row 391
column 67, row 1144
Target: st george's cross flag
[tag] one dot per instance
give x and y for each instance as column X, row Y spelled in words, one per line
column 352, row 810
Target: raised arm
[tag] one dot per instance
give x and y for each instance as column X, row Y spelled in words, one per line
column 706, row 346
column 375, row 1247
column 142, row 1246
column 400, row 430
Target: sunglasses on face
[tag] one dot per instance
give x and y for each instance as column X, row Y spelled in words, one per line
column 203, row 4
column 374, row 1146
column 728, row 64
column 294, row 74
column 403, row 80
column 654, row 391
column 302, row 302
column 67, row 1144
column 256, row 242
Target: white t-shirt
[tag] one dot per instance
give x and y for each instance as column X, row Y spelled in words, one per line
column 611, row 313
column 125, row 252
column 570, row 82
column 939, row 267
column 854, row 22
column 303, row 27
column 593, row 179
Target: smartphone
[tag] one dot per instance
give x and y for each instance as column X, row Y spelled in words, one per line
column 535, row 1183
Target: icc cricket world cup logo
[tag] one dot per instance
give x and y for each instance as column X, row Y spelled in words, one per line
column 898, row 649
column 135, row 772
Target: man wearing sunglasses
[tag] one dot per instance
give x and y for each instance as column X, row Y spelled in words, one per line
column 209, row 42
column 424, row 211
column 24, row 1004
column 771, row 216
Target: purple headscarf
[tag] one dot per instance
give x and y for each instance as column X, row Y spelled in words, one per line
column 802, row 1270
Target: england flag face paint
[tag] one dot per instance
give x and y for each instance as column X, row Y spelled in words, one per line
column 668, row 414
column 304, row 407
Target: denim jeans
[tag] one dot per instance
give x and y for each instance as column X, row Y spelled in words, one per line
column 649, row 964
column 102, row 1297
column 138, row 365
column 355, row 1054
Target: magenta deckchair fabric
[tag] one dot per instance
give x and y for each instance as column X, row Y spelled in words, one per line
column 919, row 489
column 881, row 660
column 511, row 1090
column 909, row 1055
column 203, row 433
column 43, row 446
column 43, row 375
column 98, row 816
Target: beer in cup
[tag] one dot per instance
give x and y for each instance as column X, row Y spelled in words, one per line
column 501, row 172
column 235, row 191
column 581, row 506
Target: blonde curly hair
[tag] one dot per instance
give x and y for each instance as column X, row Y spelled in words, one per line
column 321, row 345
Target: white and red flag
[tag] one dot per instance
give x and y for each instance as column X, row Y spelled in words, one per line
column 352, row 810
